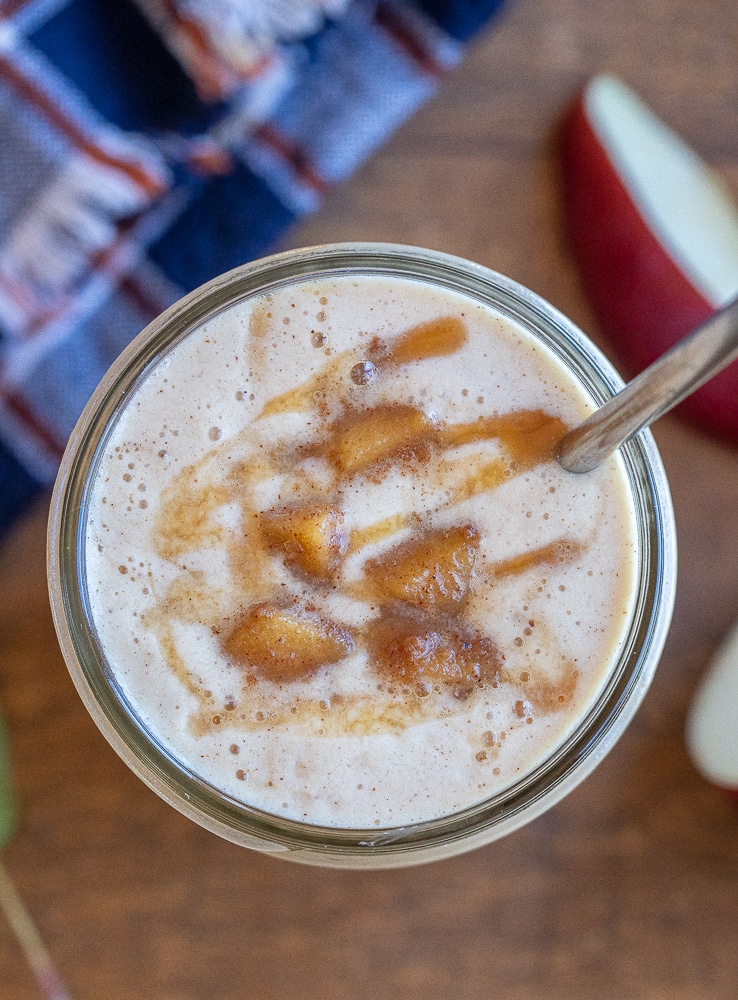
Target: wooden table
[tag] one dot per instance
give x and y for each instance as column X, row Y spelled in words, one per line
column 629, row 888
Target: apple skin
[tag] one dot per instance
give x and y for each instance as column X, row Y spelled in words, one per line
column 643, row 300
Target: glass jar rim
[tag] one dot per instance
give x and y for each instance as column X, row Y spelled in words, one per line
column 503, row 812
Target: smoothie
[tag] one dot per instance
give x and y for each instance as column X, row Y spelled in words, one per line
column 332, row 565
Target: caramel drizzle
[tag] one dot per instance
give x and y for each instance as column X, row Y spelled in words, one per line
column 434, row 339
column 527, row 438
column 556, row 552
column 388, row 526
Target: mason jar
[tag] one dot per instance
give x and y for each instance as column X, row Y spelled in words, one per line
column 129, row 701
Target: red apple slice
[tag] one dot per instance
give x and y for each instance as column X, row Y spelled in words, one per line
column 712, row 723
column 655, row 234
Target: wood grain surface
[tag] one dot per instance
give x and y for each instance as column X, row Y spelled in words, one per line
column 628, row 888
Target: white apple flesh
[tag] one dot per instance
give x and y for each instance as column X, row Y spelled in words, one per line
column 655, row 235
column 712, row 722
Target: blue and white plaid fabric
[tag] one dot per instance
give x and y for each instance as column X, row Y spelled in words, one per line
column 148, row 145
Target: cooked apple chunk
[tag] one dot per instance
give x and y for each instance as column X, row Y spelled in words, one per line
column 312, row 539
column 432, row 571
column 286, row 643
column 361, row 438
column 458, row 657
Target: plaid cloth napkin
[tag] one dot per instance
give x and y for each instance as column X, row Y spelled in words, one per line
column 148, row 145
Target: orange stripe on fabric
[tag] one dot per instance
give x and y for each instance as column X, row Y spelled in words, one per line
column 54, row 114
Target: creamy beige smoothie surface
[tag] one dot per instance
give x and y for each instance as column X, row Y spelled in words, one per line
column 334, row 566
